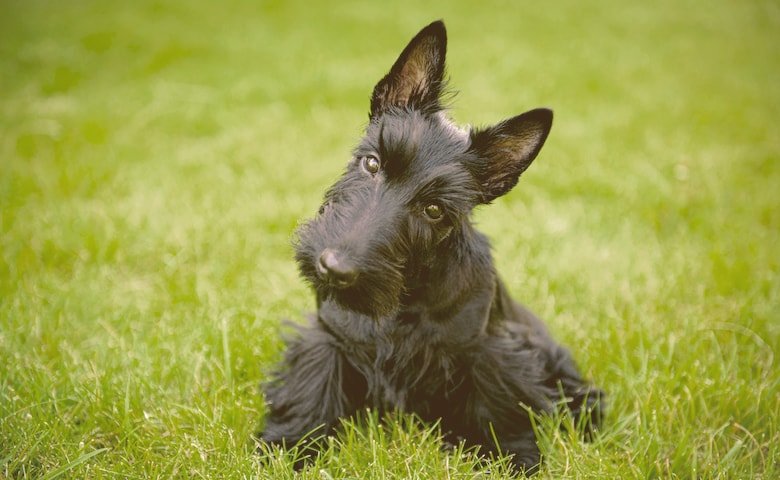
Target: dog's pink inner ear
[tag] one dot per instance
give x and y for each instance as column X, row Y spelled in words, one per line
column 416, row 75
column 415, row 80
column 504, row 151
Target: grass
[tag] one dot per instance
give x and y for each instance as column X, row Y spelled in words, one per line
column 155, row 158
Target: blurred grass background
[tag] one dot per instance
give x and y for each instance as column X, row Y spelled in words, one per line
column 155, row 158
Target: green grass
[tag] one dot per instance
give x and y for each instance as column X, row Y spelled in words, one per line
column 155, row 158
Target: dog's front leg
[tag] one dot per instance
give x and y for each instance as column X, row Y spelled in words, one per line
column 525, row 453
column 509, row 436
column 307, row 396
column 506, row 380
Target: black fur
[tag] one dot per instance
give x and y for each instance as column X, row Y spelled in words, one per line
column 411, row 315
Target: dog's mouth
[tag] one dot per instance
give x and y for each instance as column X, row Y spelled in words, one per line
column 370, row 285
column 360, row 301
column 368, row 292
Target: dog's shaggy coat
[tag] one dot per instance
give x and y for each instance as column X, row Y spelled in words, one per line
column 411, row 315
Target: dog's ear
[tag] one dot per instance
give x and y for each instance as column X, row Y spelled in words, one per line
column 502, row 152
column 417, row 77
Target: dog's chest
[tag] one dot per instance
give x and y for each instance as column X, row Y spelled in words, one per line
column 407, row 375
column 407, row 362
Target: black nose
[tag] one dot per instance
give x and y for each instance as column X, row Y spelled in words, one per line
column 336, row 270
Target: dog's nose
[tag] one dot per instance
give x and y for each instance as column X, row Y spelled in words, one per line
column 336, row 270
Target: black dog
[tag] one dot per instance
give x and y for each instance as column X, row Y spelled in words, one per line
column 411, row 313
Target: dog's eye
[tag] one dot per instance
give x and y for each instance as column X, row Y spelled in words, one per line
column 323, row 208
column 433, row 211
column 371, row 164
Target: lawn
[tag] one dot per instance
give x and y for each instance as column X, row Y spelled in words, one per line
column 156, row 157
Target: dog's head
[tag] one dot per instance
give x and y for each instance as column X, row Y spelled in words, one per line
column 404, row 202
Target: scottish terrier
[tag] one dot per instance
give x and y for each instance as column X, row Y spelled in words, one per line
column 411, row 314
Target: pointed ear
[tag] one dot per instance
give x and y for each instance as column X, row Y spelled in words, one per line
column 417, row 77
column 504, row 151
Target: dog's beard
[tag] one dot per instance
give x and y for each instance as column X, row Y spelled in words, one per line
column 371, row 297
